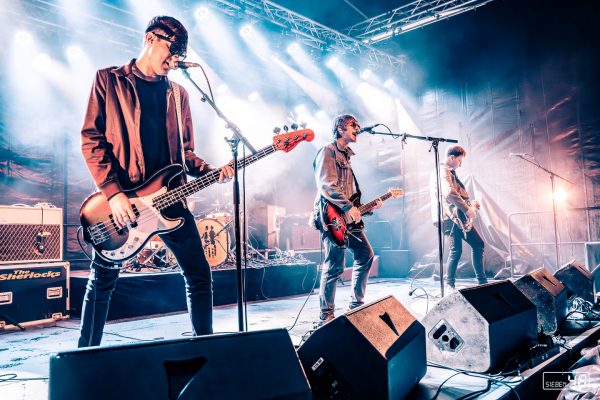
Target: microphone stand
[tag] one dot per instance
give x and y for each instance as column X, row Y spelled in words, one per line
column 554, row 212
column 435, row 141
column 236, row 138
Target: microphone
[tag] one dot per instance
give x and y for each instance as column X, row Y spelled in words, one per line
column 517, row 154
column 184, row 65
column 368, row 129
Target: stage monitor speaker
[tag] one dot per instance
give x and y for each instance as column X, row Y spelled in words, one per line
column 481, row 327
column 577, row 279
column 30, row 234
column 376, row 351
column 253, row 365
column 548, row 295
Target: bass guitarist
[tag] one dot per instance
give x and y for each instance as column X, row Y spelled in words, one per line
column 336, row 184
column 137, row 122
column 458, row 213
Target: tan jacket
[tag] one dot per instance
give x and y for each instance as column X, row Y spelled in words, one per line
column 453, row 193
column 110, row 136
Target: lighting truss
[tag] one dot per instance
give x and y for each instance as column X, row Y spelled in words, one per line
column 305, row 30
column 408, row 17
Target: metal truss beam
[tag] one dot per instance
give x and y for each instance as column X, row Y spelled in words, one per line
column 306, row 30
column 410, row 16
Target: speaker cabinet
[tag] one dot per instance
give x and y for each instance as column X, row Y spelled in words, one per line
column 253, row 365
column 376, row 351
column 30, row 234
column 549, row 296
column 480, row 327
column 577, row 279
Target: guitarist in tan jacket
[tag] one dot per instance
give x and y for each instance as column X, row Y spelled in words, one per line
column 458, row 212
column 336, row 185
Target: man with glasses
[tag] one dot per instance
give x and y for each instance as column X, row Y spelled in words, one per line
column 137, row 122
column 335, row 185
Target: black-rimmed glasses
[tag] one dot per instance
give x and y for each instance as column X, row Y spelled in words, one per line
column 175, row 48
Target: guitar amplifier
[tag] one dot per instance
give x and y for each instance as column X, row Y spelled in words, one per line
column 30, row 234
column 33, row 293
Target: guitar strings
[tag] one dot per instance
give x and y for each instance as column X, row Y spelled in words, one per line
column 170, row 198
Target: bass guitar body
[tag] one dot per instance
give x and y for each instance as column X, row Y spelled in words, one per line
column 117, row 245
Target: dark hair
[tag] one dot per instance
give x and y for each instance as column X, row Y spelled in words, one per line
column 456, row 151
column 339, row 121
column 171, row 27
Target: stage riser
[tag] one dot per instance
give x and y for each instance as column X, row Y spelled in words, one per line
column 149, row 294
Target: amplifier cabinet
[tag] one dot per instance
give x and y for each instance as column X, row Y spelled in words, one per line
column 30, row 234
column 33, row 293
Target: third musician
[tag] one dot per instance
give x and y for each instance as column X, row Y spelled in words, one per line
column 458, row 212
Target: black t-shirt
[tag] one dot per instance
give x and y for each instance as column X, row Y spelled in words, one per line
column 153, row 123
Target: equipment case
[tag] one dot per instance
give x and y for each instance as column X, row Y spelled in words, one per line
column 33, row 293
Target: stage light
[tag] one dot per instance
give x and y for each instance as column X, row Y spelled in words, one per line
column 246, row 30
column 201, row 13
column 41, row 61
column 366, row 74
column 23, row 37
column 293, row 48
column 332, row 62
column 321, row 114
column 560, row 195
column 74, row 52
column 389, row 83
column 254, row 96
column 300, row 109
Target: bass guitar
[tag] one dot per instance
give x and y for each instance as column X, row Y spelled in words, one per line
column 154, row 200
column 336, row 225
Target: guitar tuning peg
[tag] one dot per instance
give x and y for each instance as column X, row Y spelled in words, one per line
column 303, row 124
column 276, row 130
column 285, row 128
column 294, row 126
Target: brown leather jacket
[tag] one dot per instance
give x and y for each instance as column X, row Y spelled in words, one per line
column 452, row 193
column 110, row 137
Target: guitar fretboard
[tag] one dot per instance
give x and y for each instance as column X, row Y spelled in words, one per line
column 365, row 208
column 176, row 195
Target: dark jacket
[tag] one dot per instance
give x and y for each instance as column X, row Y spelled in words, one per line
column 110, row 137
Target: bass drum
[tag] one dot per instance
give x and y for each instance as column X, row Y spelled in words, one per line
column 215, row 241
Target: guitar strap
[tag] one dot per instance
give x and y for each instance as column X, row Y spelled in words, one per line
column 177, row 94
column 358, row 192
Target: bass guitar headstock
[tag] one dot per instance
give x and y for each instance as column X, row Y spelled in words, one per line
column 288, row 140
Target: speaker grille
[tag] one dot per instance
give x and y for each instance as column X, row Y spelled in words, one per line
column 26, row 243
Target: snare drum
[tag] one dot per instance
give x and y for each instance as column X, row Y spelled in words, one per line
column 215, row 240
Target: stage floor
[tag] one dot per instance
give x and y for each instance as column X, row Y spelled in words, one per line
column 26, row 353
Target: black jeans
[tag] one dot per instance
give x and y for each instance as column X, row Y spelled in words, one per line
column 477, row 249
column 186, row 246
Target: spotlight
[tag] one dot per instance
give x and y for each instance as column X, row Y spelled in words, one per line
column 366, row 74
column 300, row 109
column 254, row 96
column 332, row 62
column 74, row 52
column 389, row 83
column 201, row 13
column 293, row 48
column 561, row 195
column 23, row 37
column 246, row 30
